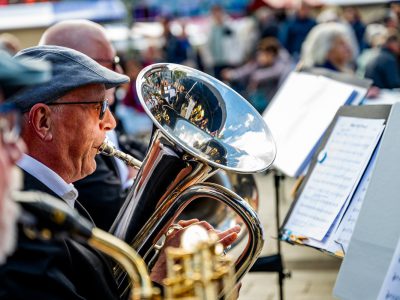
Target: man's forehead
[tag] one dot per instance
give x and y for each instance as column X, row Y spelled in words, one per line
column 91, row 90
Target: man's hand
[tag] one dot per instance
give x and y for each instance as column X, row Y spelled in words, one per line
column 226, row 238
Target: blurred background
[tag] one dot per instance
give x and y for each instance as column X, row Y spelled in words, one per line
column 252, row 45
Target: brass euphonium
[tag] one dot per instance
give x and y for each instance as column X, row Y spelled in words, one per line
column 201, row 126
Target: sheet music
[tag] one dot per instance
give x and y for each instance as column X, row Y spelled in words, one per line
column 346, row 227
column 328, row 243
column 335, row 176
column 338, row 236
column 390, row 289
column 299, row 115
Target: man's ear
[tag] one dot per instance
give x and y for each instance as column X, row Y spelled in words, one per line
column 40, row 120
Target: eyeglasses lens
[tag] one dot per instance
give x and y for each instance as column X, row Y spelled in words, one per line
column 104, row 106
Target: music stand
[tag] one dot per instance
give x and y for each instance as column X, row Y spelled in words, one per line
column 274, row 263
column 321, row 86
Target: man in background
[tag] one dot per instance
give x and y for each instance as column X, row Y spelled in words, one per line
column 384, row 68
column 103, row 192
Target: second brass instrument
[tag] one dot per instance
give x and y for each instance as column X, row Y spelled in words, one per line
column 50, row 217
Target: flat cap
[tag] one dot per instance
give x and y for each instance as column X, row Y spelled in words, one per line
column 70, row 70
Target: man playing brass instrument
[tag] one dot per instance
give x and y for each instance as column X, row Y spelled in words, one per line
column 62, row 141
column 102, row 192
column 64, row 122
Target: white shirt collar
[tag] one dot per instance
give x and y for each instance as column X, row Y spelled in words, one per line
column 48, row 177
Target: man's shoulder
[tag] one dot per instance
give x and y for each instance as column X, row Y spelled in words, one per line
column 31, row 183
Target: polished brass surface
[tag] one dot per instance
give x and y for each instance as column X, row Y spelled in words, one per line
column 205, row 117
column 50, row 218
column 107, row 148
column 129, row 260
column 199, row 270
column 221, row 216
column 201, row 126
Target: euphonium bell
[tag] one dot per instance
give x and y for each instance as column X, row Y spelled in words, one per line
column 201, row 126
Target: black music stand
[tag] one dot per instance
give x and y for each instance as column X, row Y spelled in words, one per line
column 274, row 262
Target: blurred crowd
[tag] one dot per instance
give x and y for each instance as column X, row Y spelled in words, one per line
column 64, row 120
column 255, row 58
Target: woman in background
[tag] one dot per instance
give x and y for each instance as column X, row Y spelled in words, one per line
column 331, row 46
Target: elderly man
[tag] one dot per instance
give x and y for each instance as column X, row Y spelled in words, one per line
column 64, row 123
column 103, row 192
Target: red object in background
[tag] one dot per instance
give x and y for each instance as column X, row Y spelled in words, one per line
column 11, row 2
column 132, row 99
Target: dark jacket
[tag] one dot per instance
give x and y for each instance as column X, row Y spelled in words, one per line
column 101, row 193
column 62, row 269
column 383, row 69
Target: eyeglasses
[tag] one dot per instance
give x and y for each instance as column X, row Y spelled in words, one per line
column 10, row 123
column 109, row 62
column 104, row 105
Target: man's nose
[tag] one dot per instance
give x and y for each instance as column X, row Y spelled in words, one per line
column 108, row 122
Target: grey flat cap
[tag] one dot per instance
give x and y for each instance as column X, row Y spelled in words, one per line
column 70, row 69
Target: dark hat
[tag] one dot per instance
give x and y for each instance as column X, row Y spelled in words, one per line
column 70, row 70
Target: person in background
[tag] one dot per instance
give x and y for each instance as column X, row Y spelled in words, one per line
column 352, row 16
column 220, row 40
column 266, row 22
column 375, row 36
column 260, row 78
column 330, row 46
column 296, row 28
column 384, row 69
column 13, row 75
column 9, row 43
column 394, row 6
column 177, row 48
column 103, row 192
column 135, row 123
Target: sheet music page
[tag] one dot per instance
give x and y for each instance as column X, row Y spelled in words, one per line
column 328, row 242
column 299, row 115
column 346, row 227
column 335, row 176
column 390, row 289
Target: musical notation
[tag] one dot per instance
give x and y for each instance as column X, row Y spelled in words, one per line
column 390, row 289
column 334, row 180
column 299, row 115
column 346, row 227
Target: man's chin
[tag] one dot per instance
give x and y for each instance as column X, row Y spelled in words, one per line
column 87, row 170
column 92, row 168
